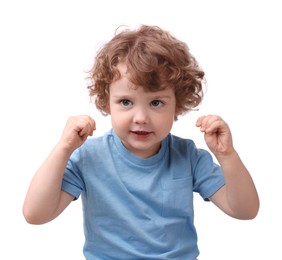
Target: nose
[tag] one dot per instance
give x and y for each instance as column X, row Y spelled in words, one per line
column 140, row 116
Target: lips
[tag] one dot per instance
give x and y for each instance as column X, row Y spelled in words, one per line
column 141, row 133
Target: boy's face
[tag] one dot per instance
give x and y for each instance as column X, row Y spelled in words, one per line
column 141, row 119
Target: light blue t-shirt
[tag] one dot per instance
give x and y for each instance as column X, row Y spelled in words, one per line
column 137, row 208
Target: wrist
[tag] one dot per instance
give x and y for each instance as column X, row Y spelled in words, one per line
column 64, row 149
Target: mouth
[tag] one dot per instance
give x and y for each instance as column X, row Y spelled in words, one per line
column 141, row 134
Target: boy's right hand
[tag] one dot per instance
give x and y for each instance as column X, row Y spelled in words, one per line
column 76, row 131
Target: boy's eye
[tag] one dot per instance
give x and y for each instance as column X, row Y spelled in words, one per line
column 125, row 102
column 156, row 103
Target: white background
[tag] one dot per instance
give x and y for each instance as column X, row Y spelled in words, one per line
column 45, row 49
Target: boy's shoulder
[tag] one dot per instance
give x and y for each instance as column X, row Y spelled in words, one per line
column 178, row 141
column 99, row 138
column 186, row 147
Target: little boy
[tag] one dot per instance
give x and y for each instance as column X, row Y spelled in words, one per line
column 137, row 180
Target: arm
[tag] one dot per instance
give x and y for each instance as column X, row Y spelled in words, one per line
column 238, row 197
column 44, row 199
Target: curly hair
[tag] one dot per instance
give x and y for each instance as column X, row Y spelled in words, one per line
column 155, row 60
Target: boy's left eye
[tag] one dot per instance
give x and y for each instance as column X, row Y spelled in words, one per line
column 156, row 103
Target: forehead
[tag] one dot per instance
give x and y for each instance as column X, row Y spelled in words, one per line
column 122, row 83
column 123, row 86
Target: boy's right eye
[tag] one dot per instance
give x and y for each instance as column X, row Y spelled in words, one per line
column 125, row 102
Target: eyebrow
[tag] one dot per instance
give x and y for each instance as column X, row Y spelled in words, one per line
column 125, row 96
column 162, row 97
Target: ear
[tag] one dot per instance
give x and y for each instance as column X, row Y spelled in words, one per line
column 107, row 109
column 177, row 113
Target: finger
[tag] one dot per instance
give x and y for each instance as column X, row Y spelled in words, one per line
column 215, row 124
column 202, row 122
column 88, row 126
column 208, row 123
column 199, row 121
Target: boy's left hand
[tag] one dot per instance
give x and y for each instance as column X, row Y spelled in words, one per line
column 217, row 134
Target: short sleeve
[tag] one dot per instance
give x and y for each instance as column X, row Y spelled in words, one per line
column 208, row 176
column 72, row 180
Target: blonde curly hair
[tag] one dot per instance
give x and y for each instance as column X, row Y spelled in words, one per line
column 155, row 60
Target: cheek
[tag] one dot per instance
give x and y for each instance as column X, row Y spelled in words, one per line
column 165, row 122
column 118, row 120
column 114, row 118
